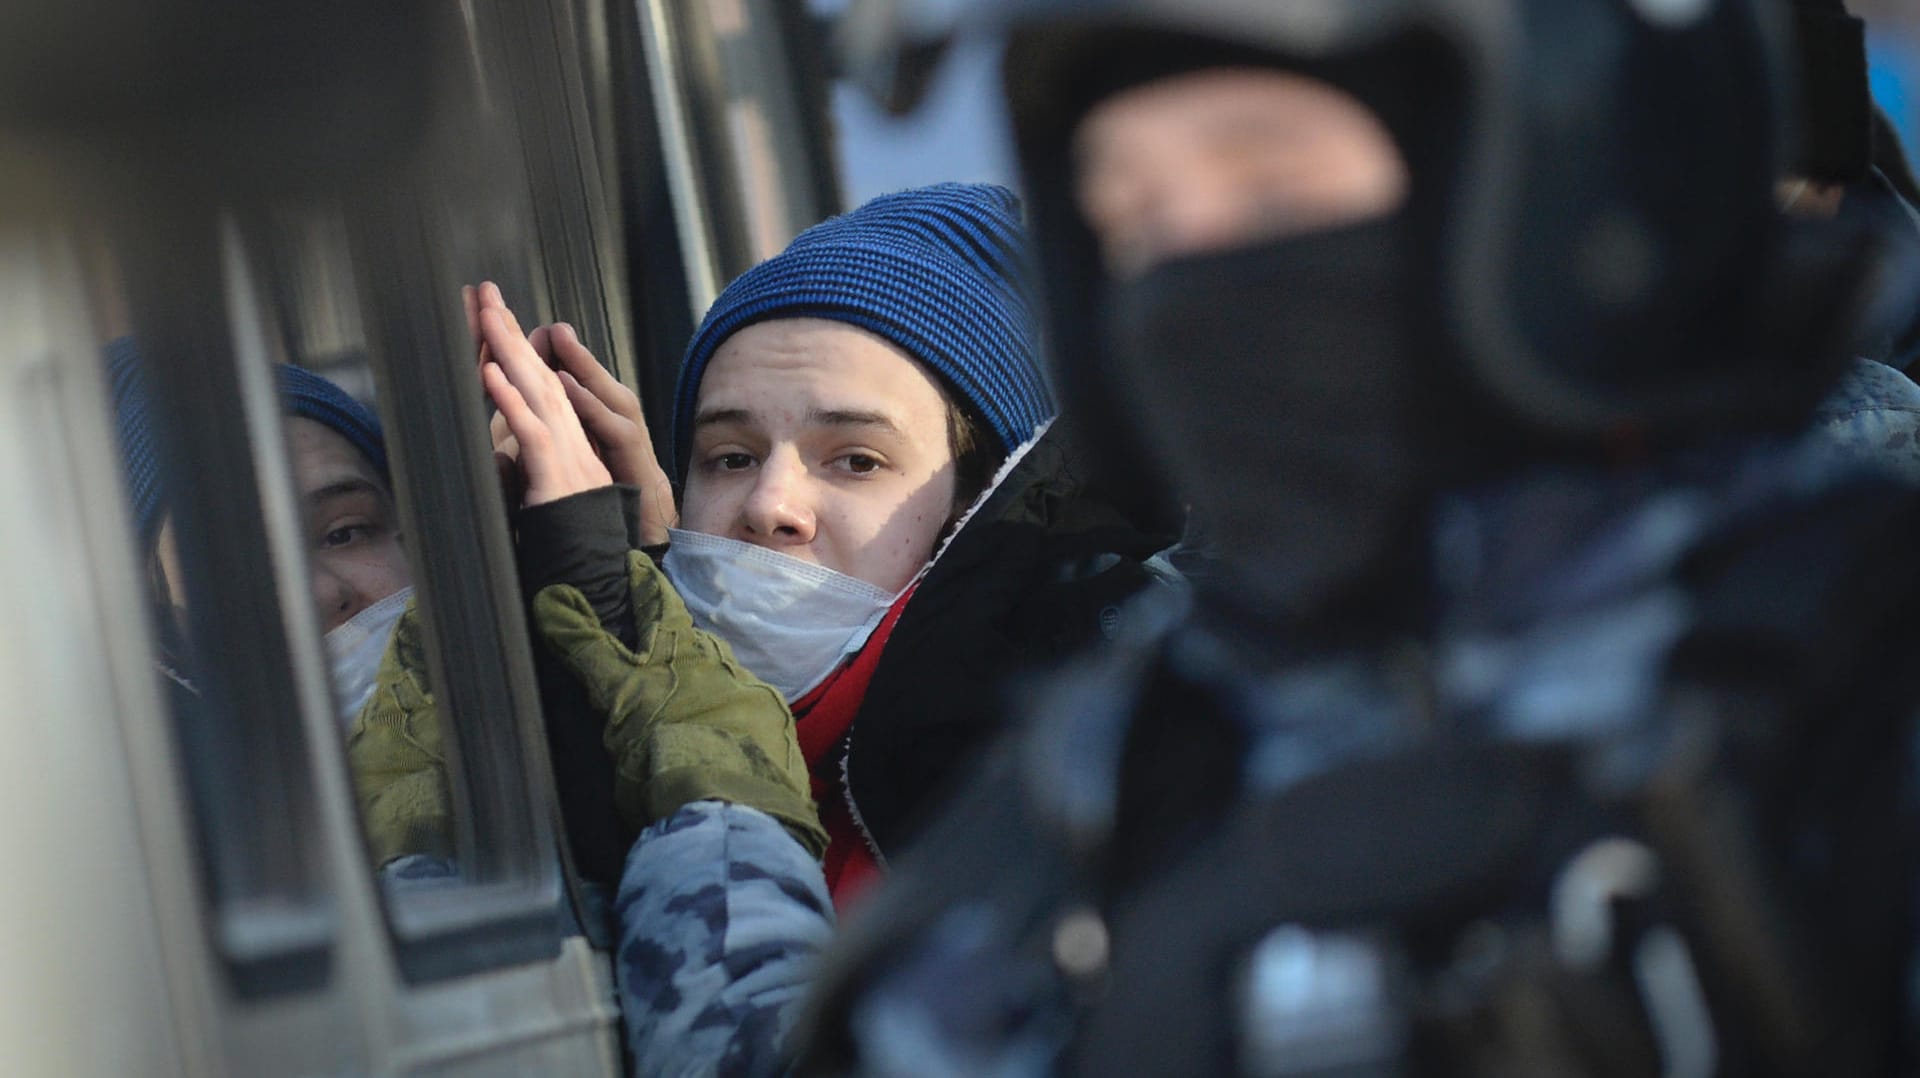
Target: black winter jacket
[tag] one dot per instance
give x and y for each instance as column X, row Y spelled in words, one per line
column 1039, row 571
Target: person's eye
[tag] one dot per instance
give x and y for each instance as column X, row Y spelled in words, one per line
column 345, row 535
column 731, row 462
column 861, row 463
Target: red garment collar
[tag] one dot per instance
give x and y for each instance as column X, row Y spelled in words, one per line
column 823, row 716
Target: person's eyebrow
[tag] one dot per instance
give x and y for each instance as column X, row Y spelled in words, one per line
column 340, row 488
column 711, row 416
column 848, row 417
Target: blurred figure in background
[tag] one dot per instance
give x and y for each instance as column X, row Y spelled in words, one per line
column 1549, row 708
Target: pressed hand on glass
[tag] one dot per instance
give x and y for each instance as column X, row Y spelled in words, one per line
column 556, row 459
column 506, row 451
column 609, row 411
column 612, row 415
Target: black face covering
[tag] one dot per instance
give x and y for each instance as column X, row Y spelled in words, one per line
column 1276, row 386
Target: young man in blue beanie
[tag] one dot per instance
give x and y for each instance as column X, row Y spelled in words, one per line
column 359, row 570
column 841, row 406
column 838, row 410
column 841, row 416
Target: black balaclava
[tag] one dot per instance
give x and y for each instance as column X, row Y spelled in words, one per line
column 1281, row 386
column 1276, row 384
column 1845, row 139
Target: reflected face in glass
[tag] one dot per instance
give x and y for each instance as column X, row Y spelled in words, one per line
column 824, row 442
column 1226, row 158
column 352, row 533
column 350, row 527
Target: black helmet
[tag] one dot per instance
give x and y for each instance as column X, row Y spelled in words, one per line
column 1608, row 258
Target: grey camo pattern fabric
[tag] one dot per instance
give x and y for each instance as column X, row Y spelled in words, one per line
column 721, row 917
column 1873, row 416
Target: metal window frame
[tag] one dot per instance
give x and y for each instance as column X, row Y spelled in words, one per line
column 543, row 55
column 660, row 267
column 742, row 190
column 479, row 651
column 684, row 183
column 247, row 765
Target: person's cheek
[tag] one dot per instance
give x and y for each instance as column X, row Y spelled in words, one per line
column 699, row 506
column 397, row 569
column 335, row 587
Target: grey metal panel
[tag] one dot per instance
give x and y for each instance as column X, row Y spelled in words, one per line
column 91, row 922
column 558, row 1018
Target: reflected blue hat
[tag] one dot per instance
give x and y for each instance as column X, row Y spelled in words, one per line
column 941, row 272
column 302, row 393
column 309, row 396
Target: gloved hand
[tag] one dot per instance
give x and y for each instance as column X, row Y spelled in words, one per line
column 685, row 721
column 395, row 753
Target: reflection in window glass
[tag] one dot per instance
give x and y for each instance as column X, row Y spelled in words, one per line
column 189, row 384
column 357, row 563
column 410, row 570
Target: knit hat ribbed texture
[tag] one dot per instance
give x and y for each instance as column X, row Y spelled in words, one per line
column 938, row 271
column 302, row 393
column 309, row 396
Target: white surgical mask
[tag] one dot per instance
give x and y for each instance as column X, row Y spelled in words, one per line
column 789, row 621
column 354, row 650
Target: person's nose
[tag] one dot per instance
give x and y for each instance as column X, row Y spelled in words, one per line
column 777, row 512
column 336, row 597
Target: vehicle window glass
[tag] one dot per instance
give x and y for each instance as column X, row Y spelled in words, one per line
column 405, row 537
column 451, row 722
column 234, row 648
column 274, row 386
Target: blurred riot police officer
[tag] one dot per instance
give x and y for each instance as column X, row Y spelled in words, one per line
column 1546, row 707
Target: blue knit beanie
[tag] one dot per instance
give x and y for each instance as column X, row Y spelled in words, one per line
column 302, row 393
column 309, row 396
column 938, row 271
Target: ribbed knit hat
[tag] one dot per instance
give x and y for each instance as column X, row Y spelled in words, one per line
column 309, row 396
column 302, row 393
column 938, row 271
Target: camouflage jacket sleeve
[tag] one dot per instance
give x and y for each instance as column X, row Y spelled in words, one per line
column 394, row 751
column 721, row 917
column 1872, row 417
